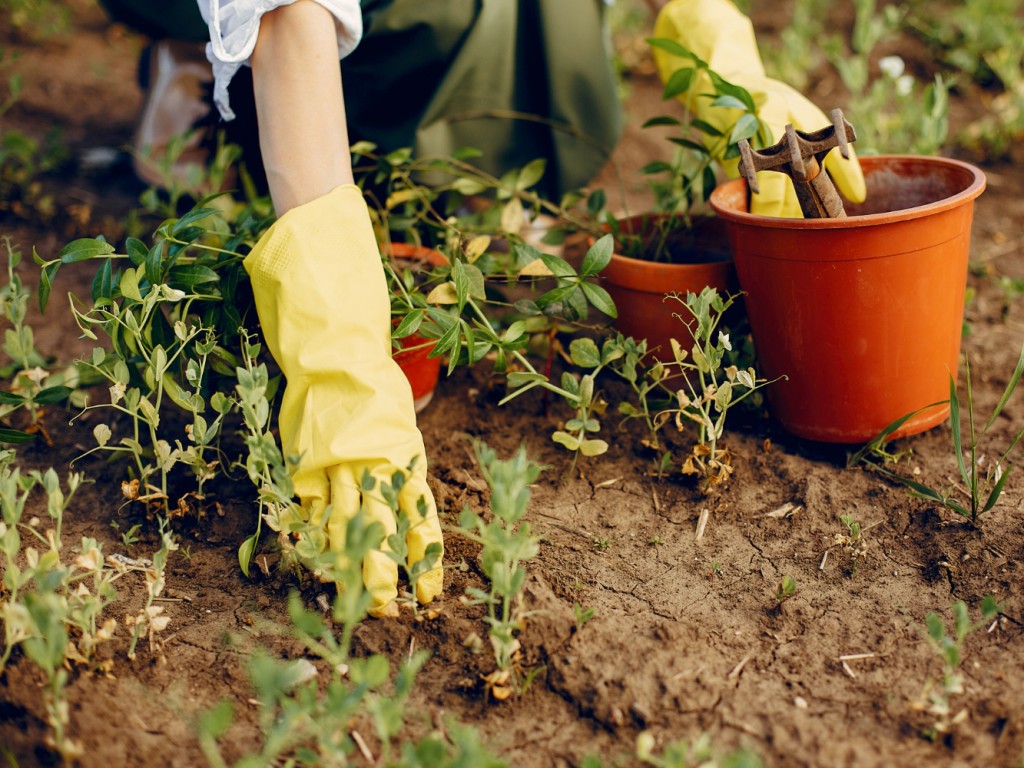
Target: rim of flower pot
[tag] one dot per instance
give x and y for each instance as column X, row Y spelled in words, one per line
column 730, row 200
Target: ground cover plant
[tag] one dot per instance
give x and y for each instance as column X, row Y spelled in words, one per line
column 826, row 616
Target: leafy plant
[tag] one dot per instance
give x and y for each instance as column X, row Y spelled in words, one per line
column 784, row 590
column 700, row 753
column 936, row 696
column 982, row 485
column 851, row 543
column 507, row 542
column 892, row 113
column 310, row 714
column 682, row 184
column 52, row 611
column 31, row 385
column 710, row 389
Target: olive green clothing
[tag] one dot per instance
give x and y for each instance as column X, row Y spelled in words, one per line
column 514, row 79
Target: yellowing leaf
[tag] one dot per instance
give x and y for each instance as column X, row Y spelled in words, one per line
column 536, row 268
column 445, row 293
column 476, row 247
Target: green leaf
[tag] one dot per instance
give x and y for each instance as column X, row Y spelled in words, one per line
column 705, row 127
column 246, row 552
column 600, row 299
column 661, row 120
column 102, row 284
column 566, row 440
column 154, row 264
column 52, row 395
column 130, row 285
column 729, row 102
column 678, row 83
column 1010, row 387
column 598, row 256
column 83, row 249
column 187, row 276
column 745, row 127
column 954, row 423
column 409, row 324
column 558, row 266
column 136, row 250
column 584, row 353
column 530, row 174
column 15, row 436
column 672, row 46
column 46, row 275
column 193, row 216
column 10, row 398
column 997, row 490
column 593, row 447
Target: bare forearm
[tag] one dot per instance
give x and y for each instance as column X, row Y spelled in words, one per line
column 297, row 85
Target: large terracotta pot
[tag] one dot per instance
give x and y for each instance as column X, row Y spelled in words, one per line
column 863, row 314
column 638, row 286
column 414, row 359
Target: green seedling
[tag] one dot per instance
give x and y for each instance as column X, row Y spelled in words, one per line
column 936, row 696
column 507, row 542
column 700, row 753
column 311, row 714
column 582, row 615
column 710, row 388
column 784, row 590
column 851, row 543
column 982, row 485
column 32, row 386
column 892, row 111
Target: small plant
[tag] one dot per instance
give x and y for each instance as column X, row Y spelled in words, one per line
column 892, row 113
column 936, row 696
column 710, row 389
column 582, row 615
column 32, row 386
column 683, row 184
column 982, row 485
column 784, row 590
column 851, row 543
column 507, row 543
column 700, row 753
column 310, row 714
column 52, row 611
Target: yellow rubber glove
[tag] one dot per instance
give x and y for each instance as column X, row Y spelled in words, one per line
column 718, row 33
column 323, row 303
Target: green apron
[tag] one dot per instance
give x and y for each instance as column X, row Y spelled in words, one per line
column 514, row 79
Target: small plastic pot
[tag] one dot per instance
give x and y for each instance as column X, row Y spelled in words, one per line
column 863, row 314
column 422, row 371
column 638, row 287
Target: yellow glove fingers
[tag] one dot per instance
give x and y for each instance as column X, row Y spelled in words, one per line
column 380, row 572
column 847, row 175
column 426, row 530
column 776, row 197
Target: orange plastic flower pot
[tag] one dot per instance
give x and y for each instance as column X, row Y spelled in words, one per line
column 863, row 314
column 638, row 287
column 419, row 368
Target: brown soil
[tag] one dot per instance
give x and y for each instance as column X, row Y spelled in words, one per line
column 686, row 635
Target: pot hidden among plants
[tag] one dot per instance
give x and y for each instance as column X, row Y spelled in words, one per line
column 862, row 314
column 658, row 254
column 412, row 352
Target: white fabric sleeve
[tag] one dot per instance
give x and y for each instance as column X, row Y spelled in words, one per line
column 235, row 24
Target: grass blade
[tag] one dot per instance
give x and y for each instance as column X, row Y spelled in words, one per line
column 1010, row 387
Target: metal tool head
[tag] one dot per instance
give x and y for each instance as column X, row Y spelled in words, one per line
column 800, row 156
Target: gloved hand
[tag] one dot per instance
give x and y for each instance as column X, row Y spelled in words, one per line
column 723, row 37
column 323, row 303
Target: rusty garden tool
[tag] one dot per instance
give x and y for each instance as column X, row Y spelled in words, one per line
column 800, row 156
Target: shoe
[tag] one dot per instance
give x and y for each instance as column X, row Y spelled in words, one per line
column 177, row 79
